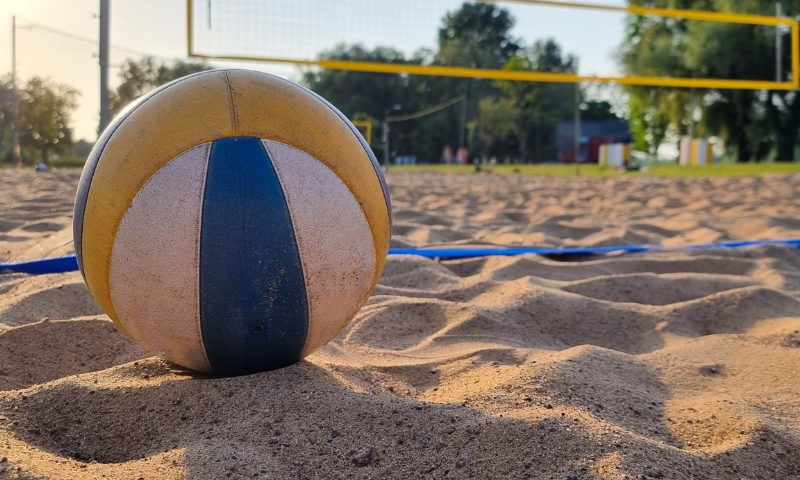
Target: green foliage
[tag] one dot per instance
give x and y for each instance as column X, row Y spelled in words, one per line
column 44, row 111
column 69, row 161
column 498, row 119
column 141, row 76
column 651, row 114
column 373, row 96
column 521, row 111
column 368, row 93
column 6, row 99
column 598, row 110
column 44, row 114
column 82, row 148
column 509, row 119
column 6, row 118
column 45, row 108
column 477, row 35
column 754, row 124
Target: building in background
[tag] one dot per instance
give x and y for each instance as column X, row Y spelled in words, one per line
column 593, row 134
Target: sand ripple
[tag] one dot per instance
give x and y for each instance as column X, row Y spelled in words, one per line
column 660, row 365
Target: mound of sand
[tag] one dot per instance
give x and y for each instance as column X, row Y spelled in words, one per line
column 659, row 365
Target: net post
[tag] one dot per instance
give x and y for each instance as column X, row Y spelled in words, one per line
column 15, row 150
column 190, row 49
column 795, row 54
column 367, row 129
column 105, row 107
column 778, row 46
column 692, row 106
column 462, row 131
column 577, row 139
column 385, row 134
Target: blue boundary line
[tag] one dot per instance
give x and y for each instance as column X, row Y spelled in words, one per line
column 487, row 252
column 68, row 263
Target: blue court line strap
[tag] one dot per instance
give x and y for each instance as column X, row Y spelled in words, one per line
column 68, row 263
column 505, row 251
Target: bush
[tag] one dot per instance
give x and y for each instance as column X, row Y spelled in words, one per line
column 68, row 161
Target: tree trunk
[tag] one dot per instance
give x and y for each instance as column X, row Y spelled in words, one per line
column 46, row 156
column 786, row 148
column 742, row 150
column 786, row 123
column 523, row 146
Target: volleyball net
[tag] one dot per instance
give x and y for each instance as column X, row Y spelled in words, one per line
column 404, row 37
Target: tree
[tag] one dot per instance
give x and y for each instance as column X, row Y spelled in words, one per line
column 752, row 123
column 597, row 110
column 648, row 123
column 655, row 46
column 44, row 116
column 756, row 121
column 82, row 148
column 497, row 120
column 351, row 92
column 364, row 94
column 505, row 114
column 535, row 108
column 6, row 117
column 44, row 111
column 477, row 35
column 141, row 76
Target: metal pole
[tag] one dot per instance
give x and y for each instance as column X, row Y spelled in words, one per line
column 189, row 34
column 577, row 143
column 692, row 107
column 778, row 46
column 385, row 133
column 538, row 139
column 15, row 151
column 462, row 134
column 105, row 107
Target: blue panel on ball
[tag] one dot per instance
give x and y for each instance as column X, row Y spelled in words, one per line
column 253, row 305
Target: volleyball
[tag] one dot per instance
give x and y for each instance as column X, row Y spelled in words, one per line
column 231, row 221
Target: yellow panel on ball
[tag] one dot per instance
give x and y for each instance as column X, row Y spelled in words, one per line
column 270, row 107
column 194, row 111
column 232, row 222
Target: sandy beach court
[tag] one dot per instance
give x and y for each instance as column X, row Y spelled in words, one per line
column 673, row 365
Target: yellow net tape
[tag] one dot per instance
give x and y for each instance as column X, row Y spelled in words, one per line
column 530, row 76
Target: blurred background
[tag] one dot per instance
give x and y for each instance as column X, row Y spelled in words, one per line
column 51, row 51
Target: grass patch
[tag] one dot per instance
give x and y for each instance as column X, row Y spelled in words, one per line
column 63, row 162
column 67, row 162
column 592, row 170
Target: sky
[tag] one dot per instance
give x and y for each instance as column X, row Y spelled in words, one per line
column 275, row 28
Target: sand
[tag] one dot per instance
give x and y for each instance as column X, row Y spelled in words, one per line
column 660, row 365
